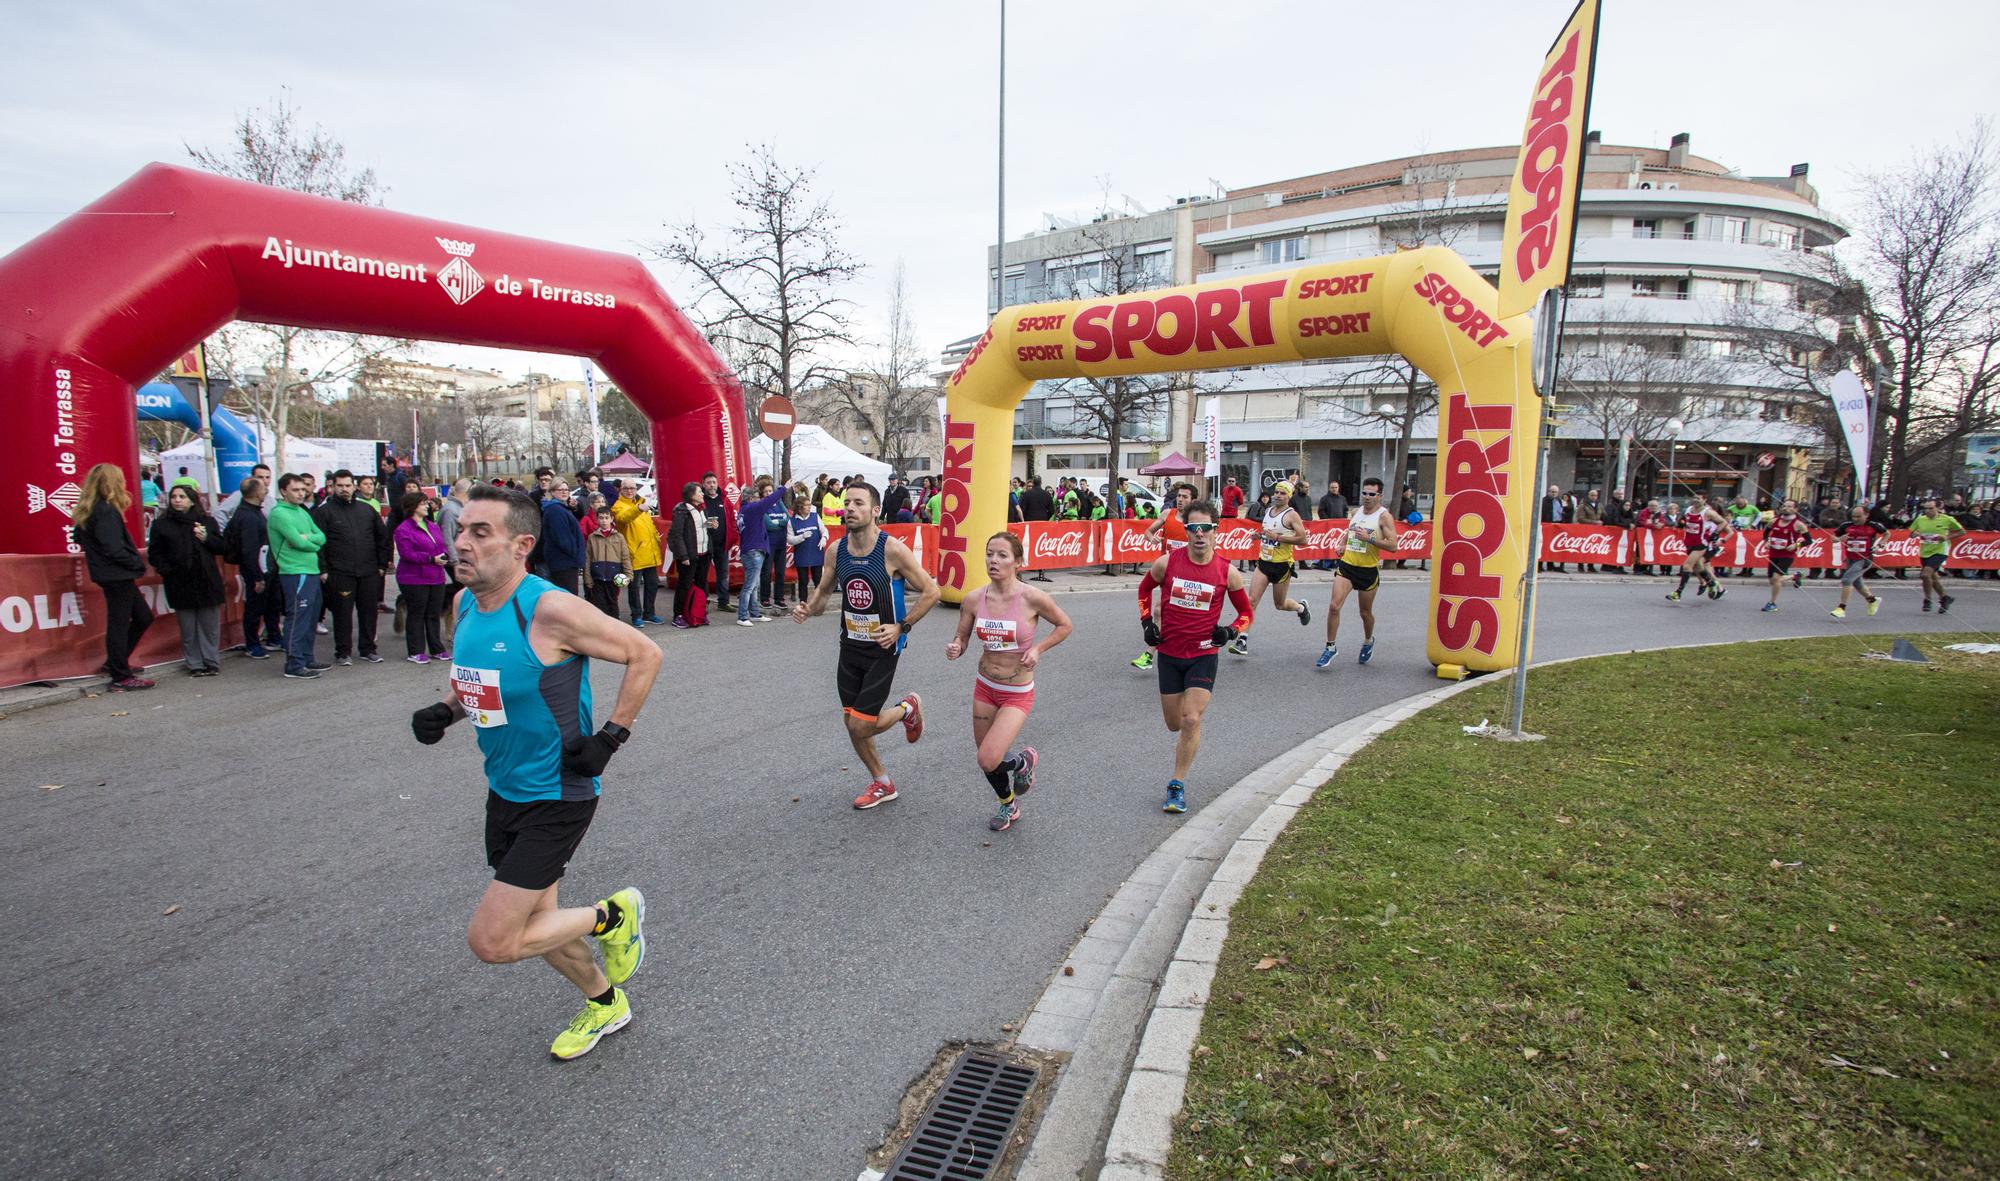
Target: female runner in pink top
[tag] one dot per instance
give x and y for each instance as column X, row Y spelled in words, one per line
column 1001, row 618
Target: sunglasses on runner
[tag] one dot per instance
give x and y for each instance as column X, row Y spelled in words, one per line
column 1199, row 527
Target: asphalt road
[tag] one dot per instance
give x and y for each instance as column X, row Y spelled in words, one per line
column 311, row 1009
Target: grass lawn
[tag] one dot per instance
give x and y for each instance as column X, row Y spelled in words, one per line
column 1737, row 918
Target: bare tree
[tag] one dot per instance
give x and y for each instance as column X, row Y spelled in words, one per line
column 771, row 287
column 485, row 427
column 275, row 365
column 1113, row 410
column 568, row 426
column 1930, row 261
column 895, row 404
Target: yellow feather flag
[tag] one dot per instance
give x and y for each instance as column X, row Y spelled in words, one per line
column 1548, row 177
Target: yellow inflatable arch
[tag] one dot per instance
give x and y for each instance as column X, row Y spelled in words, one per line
column 1427, row 305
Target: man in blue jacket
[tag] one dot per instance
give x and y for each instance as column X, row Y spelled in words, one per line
column 562, row 540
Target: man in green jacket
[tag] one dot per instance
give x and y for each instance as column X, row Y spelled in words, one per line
column 295, row 540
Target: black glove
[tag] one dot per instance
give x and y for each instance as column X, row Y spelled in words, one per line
column 1151, row 627
column 1221, row 635
column 429, row 723
column 587, row 756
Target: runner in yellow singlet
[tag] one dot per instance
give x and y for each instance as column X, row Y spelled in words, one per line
column 1371, row 532
column 1282, row 529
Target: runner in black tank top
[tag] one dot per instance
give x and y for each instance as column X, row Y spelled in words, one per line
column 871, row 572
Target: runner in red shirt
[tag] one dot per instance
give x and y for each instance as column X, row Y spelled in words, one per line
column 1857, row 537
column 1703, row 530
column 1168, row 529
column 1189, row 633
column 1784, row 537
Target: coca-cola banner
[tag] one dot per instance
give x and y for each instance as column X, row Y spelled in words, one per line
column 1596, row 545
column 53, row 619
column 1052, row 545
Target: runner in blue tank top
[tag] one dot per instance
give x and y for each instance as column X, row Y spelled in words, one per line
column 871, row 572
column 521, row 672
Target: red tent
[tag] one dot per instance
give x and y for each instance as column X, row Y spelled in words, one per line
column 625, row 464
column 1174, row 464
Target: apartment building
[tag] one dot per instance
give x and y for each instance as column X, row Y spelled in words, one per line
column 1685, row 275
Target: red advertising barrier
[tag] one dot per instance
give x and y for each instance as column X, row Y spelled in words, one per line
column 53, row 617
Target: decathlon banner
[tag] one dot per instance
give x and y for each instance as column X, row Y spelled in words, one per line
column 1850, row 402
column 1548, row 176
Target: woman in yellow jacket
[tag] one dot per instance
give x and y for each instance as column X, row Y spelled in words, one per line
column 642, row 537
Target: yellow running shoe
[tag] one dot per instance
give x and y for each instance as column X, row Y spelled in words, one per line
column 1874, row 605
column 624, row 945
column 591, row 1025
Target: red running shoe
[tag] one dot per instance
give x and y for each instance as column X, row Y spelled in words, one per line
column 880, row 791
column 132, row 684
column 913, row 716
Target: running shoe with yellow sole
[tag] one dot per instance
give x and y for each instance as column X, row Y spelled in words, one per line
column 1874, row 605
column 589, row 1027
column 913, row 717
column 624, row 946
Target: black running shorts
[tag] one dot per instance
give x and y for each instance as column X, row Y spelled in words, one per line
column 1181, row 673
column 1781, row 563
column 1275, row 572
column 1362, row 578
column 1935, row 561
column 529, row 845
column 866, row 673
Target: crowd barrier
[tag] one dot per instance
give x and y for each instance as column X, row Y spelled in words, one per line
column 52, row 619
column 52, row 616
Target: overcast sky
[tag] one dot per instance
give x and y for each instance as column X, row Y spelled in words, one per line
column 599, row 123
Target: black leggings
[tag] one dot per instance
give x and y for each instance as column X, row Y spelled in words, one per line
column 808, row 578
column 126, row 618
column 423, row 618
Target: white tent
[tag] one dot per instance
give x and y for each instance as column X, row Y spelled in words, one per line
column 300, row 456
column 814, row 451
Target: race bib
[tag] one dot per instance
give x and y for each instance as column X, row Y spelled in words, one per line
column 867, row 628
column 1191, row 594
column 997, row 635
column 479, row 692
column 1357, row 539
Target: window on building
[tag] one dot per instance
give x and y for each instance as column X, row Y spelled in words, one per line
column 1078, row 462
column 917, row 463
column 1775, row 293
column 1675, row 289
column 1282, row 250
column 1154, row 267
column 1586, row 286
column 1735, row 229
column 1645, row 227
column 1491, row 231
column 1690, row 229
column 1781, row 236
column 1728, row 290
column 1645, row 288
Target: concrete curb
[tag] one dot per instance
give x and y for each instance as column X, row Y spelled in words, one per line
column 1130, row 1015
column 23, row 698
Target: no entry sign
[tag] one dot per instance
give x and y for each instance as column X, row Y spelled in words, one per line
column 778, row 416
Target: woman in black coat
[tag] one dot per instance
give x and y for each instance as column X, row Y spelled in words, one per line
column 115, row 566
column 182, row 547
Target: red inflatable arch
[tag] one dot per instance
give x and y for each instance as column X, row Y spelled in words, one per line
column 109, row 297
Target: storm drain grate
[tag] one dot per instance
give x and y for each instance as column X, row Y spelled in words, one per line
column 962, row 1136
